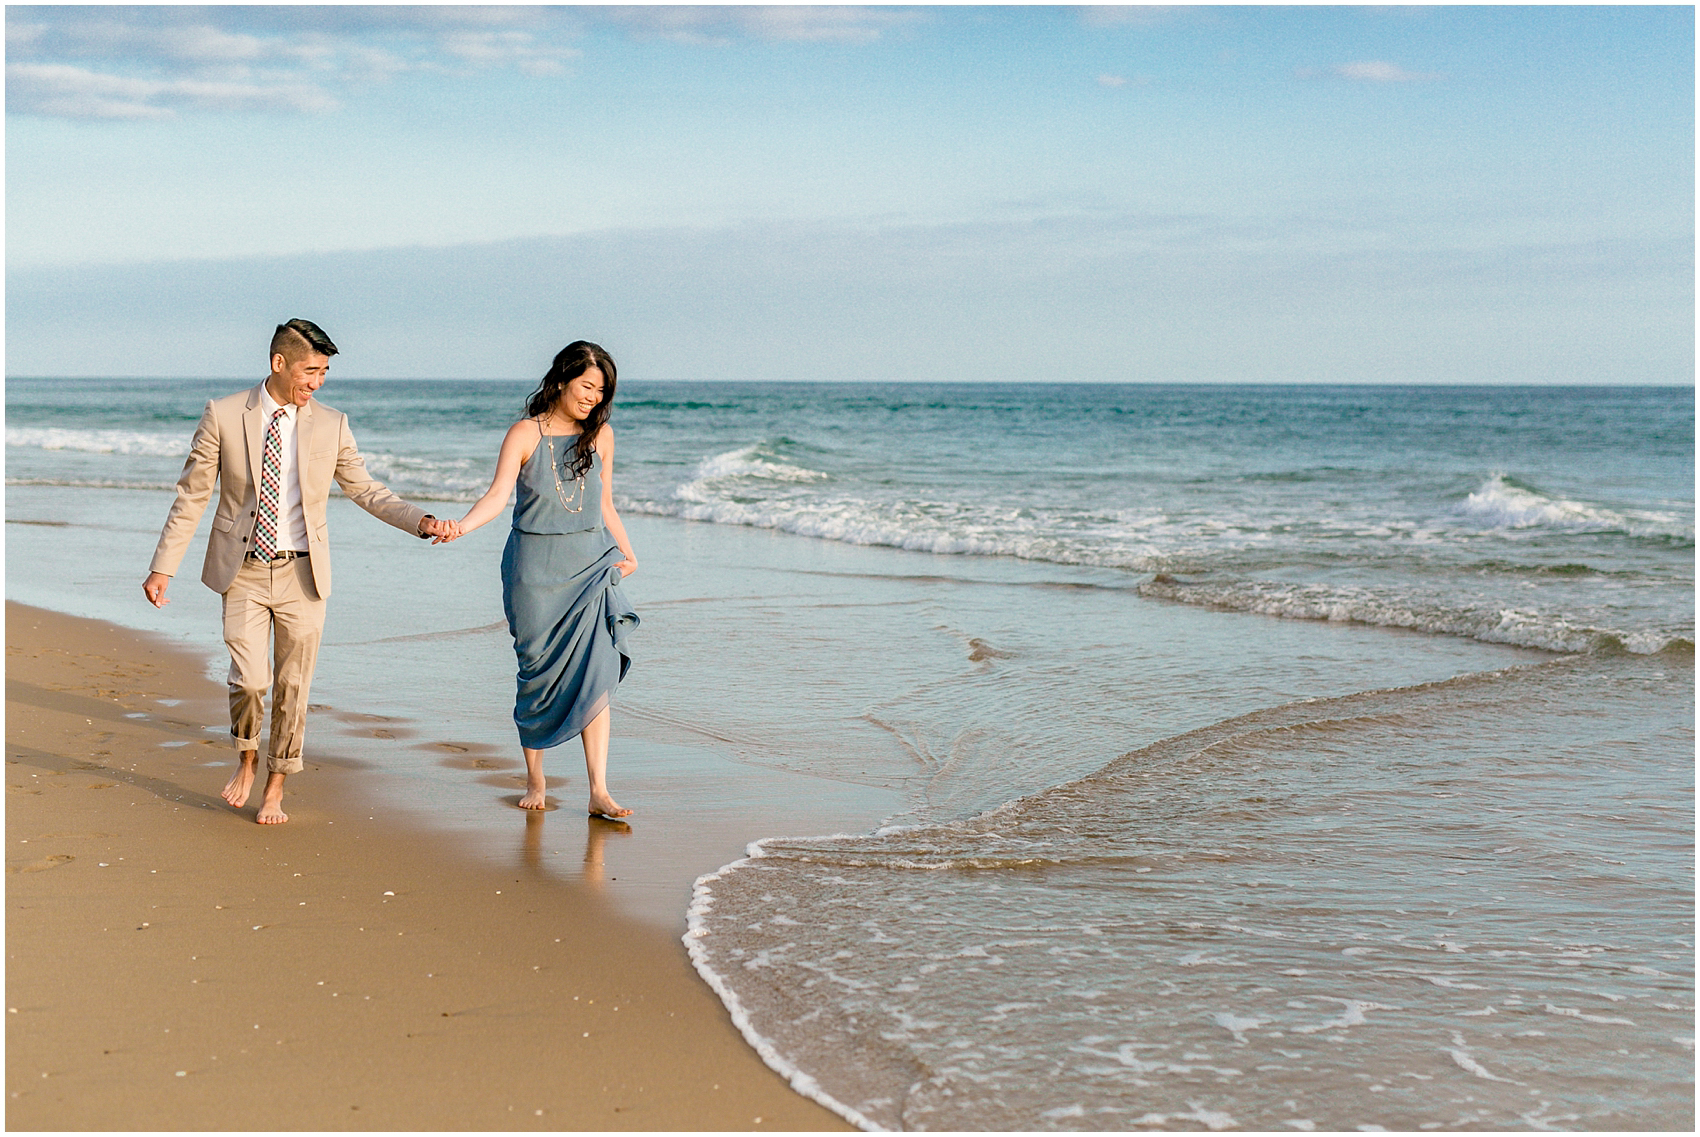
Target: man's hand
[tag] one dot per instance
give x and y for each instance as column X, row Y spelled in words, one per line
column 439, row 530
column 154, row 589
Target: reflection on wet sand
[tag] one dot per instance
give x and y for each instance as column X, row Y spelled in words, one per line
column 597, row 832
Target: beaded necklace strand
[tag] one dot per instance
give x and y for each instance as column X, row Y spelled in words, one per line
column 560, row 490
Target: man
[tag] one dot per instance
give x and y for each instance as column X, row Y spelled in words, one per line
column 273, row 452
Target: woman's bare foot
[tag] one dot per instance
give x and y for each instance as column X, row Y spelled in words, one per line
column 241, row 783
column 604, row 806
column 534, row 795
column 271, row 801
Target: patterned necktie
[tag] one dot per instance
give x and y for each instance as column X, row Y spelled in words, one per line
column 271, row 488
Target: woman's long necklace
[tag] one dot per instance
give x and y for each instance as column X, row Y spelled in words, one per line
column 560, row 490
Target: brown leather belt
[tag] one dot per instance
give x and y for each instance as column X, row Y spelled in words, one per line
column 281, row 558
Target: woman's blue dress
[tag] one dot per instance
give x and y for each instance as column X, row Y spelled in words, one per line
column 561, row 593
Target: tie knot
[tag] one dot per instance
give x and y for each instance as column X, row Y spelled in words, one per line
column 279, row 413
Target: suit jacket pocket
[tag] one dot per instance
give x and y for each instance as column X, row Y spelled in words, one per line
column 223, row 524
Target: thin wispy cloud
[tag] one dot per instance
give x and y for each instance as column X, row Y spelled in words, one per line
column 777, row 23
column 1132, row 15
column 151, row 63
column 1117, row 81
column 508, row 48
column 66, row 91
column 1367, row 71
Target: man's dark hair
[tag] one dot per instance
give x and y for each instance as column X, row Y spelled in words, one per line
column 296, row 337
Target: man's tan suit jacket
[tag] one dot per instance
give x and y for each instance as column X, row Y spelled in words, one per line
column 226, row 450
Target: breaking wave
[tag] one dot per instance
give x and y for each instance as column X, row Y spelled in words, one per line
column 99, row 441
column 1504, row 503
column 1516, row 626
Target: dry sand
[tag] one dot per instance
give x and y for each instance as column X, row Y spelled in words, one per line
column 172, row 965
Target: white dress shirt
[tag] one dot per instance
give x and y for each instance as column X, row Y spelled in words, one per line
column 292, row 523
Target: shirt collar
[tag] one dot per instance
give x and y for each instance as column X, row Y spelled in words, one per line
column 272, row 406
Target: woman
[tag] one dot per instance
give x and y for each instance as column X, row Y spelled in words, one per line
column 562, row 566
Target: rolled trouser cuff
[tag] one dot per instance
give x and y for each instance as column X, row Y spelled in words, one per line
column 284, row 764
column 245, row 744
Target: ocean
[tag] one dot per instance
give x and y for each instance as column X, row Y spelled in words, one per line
column 1121, row 756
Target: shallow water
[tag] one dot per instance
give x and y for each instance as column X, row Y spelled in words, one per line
column 1229, row 769
column 1463, row 904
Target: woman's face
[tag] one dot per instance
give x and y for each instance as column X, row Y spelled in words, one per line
column 582, row 394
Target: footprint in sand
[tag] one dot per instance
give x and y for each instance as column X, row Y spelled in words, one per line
column 481, row 764
column 452, row 748
column 49, row 862
column 382, row 734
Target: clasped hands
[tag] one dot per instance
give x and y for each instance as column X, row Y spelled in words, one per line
column 440, row 530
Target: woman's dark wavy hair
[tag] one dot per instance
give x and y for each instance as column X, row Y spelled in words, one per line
column 572, row 361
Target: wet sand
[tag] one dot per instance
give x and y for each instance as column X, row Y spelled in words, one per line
column 172, row 965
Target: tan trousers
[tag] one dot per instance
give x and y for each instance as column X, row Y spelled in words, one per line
column 276, row 608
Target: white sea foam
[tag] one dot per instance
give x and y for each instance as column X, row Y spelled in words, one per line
column 171, row 444
column 717, row 475
column 1548, row 631
column 1502, row 503
column 696, row 929
column 1542, row 601
column 92, row 483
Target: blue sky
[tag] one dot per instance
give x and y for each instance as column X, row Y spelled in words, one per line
column 1158, row 194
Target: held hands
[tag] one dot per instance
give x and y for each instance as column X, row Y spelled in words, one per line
column 439, row 530
column 627, row 567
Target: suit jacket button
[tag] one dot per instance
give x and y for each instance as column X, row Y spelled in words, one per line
column 244, row 540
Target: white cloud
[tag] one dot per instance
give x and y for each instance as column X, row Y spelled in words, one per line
column 151, row 62
column 502, row 48
column 780, row 23
column 1132, row 15
column 820, row 25
column 21, row 36
column 65, row 91
column 1377, row 71
column 143, row 63
column 208, row 44
column 74, row 92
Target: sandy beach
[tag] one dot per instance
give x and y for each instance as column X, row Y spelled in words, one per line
column 172, row 965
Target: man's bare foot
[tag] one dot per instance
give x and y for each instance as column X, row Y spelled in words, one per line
column 604, row 806
column 241, row 783
column 271, row 801
column 534, row 796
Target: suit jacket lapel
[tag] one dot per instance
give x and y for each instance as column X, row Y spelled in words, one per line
column 254, row 431
column 303, row 444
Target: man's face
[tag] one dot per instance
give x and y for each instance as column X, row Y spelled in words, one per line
column 295, row 381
